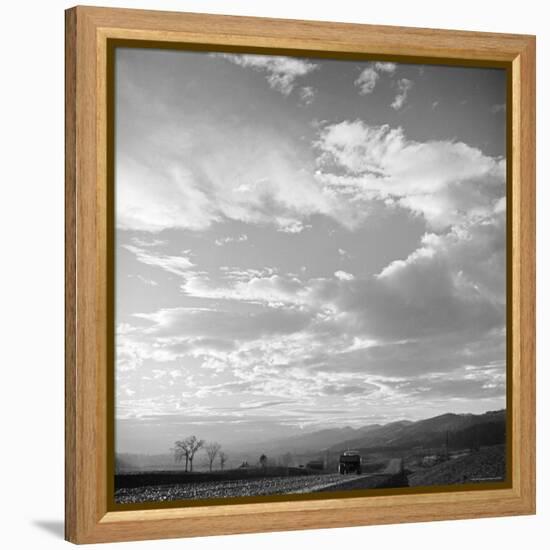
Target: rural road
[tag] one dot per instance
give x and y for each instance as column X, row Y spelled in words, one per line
column 332, row 482
column 335, row 482
column 391, row 476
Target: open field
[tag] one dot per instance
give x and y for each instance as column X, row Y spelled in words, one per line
column 255, row 487
column 168, row 486
column 129, row 480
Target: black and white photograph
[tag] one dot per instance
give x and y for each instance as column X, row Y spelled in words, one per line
column 310, row 276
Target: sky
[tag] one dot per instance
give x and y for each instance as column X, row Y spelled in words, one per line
column 304, row 243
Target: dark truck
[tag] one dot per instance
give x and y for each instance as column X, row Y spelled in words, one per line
column 350, row 463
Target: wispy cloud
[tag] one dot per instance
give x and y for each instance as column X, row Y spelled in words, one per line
column 146, row 243
column 282, row 72
column 198, row 187
column 146, row 281
column 178, row 265
column 272, row 290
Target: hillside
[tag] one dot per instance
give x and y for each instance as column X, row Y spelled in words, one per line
column 485, row 465
column 462, row 430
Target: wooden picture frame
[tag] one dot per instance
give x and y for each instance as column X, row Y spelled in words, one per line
column 90, row 33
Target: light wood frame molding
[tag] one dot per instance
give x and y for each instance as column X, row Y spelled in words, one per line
column 87, row 517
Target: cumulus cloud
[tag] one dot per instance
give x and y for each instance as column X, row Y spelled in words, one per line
column 282, row 72
column 422, row 299
column 344, row 275
column 451, row 287
column 448, row 286
column 367, row 79
column 474, row 253
column 385, row 67
column 403, row 85
column 444, row 181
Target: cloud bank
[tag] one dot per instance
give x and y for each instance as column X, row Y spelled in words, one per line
column 283, row 276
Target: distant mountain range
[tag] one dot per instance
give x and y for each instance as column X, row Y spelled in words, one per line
column 461, row 430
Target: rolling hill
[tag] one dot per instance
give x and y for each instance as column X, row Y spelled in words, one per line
column 462, row 430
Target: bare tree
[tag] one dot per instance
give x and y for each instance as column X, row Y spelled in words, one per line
column 212, row 449
column 181, row 451
column 193, row 445
column 223, row 459
column 186, row 448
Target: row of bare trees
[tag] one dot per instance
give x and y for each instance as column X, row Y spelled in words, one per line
column 187, row 449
